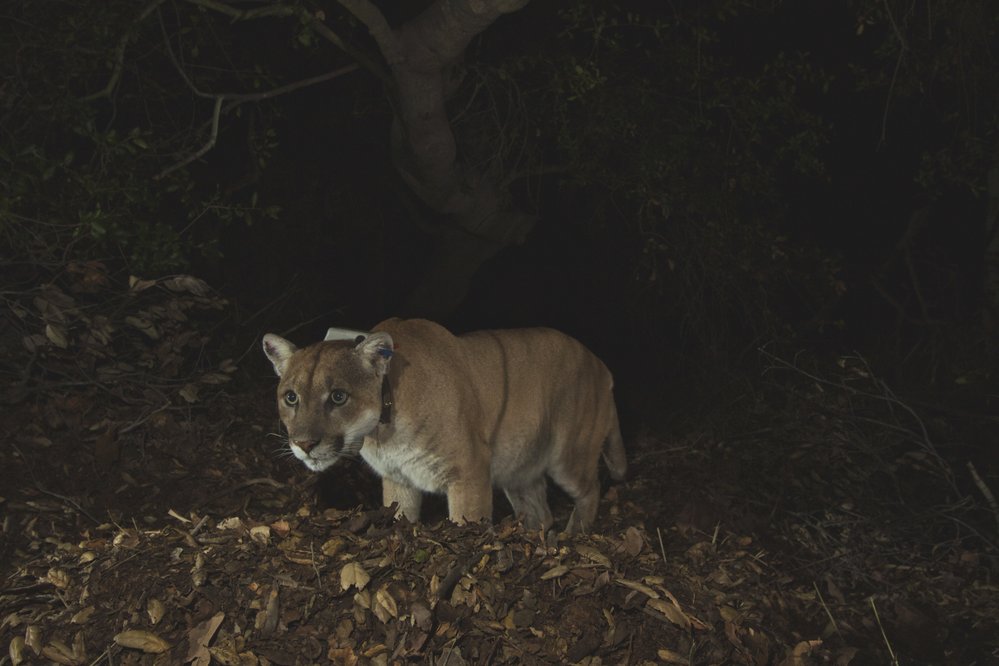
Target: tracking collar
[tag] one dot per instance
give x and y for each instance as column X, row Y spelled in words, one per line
column 335, row 334
column 386, row 416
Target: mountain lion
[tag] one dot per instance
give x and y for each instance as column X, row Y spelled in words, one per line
column 432, row 412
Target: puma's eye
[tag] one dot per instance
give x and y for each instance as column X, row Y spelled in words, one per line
column 291, row 398
column 338, row 396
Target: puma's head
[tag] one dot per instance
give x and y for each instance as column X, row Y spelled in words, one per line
column 330, row 394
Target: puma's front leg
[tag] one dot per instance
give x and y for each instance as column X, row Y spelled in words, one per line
column 408, row 499
column 470, row 500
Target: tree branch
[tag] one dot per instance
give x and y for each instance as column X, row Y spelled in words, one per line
column 237, row 99
column 366, row 12
column 119, row 56
column 201, row 151
column 313, row 20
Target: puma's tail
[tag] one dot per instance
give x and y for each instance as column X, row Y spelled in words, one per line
column 613, row 452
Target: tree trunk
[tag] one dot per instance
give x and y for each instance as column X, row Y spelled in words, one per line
column 422, row 55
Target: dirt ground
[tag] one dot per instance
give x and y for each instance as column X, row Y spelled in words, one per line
column 813, row 518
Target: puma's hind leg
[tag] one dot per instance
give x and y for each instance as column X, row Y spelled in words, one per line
column 584, row 490
column 530, row 503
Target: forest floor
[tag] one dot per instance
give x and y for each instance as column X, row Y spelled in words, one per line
column 814, row 518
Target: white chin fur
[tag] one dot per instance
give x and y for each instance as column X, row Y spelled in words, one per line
column 323, row 456
column 316, row 463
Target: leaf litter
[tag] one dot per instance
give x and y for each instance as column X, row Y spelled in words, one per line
column 147, row 521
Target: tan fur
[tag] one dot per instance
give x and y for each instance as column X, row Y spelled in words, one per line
column 503, row 408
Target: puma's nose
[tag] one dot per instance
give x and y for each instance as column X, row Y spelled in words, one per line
column 305, row 444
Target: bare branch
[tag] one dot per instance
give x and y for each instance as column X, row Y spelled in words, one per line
column 201, row 151
column 237, row 99
column 246, row 14
column 313, row 20
column 119, row 56
column 371, row 16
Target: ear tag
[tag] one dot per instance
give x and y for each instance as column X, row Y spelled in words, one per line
column 335, row 334
column 385, row 352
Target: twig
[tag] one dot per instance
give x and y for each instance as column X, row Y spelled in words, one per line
column 315, row 567
column 246, row 484
column 826, row 608
column 135, row 424
column 455, row 574
column 902, row 46
column 100, row 657
column 119, row 55
column 449, row 650
column 662, row 548
column 313, row 20
column 235, row 99
column 68, row 500
column 986, row 492
column 888, row 397
column 208, row 145
column 197, row 528
column 891, row 652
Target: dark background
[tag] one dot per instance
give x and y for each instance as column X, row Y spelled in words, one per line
column 706, row 177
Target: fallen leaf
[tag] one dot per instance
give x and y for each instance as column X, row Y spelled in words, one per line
column 33, row 638
column 198, row 639
column 374, row 651
column 638, row 587
column 333, row 546
column 82, row 616
column 146, row 641
column 633, row 541
column 729, row 614
column 143, row 325
column 155, row 610
column 555, row 572
column 266, row 621
column 384, row 607
column 137, row 284
column 343, row 656
column 56, row 336
column 189, row 392
column 187, row 283
column 261, row 534
column 353, row 575
column 33, row 342
column 16, row 650
column 672, row 613
column 198, row 573
column 592, row 554
column 231, row 523
column 671, row 657
column 800, row 652
column 58, row 577
column 60, row 653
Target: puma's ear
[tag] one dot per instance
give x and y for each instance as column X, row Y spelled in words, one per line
column 278, row 350
column 376, row 349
